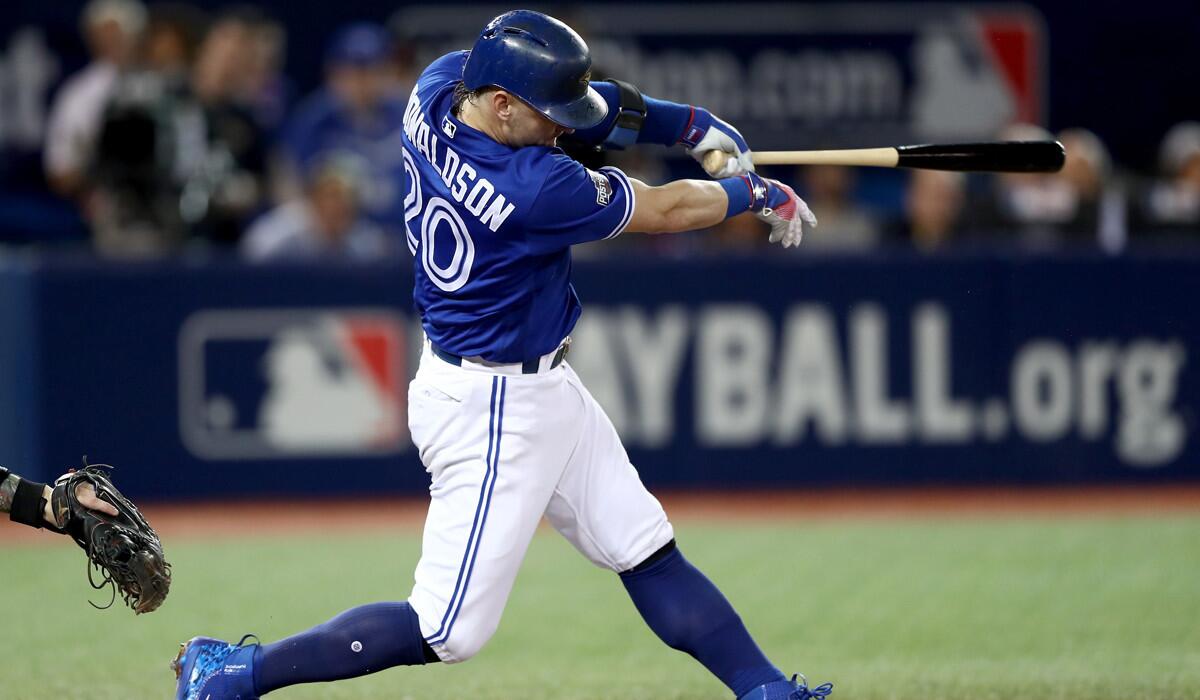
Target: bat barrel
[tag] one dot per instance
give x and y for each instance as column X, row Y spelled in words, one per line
column 999, row 157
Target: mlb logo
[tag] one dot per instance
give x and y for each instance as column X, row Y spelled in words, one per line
column 261, row 384
column 448, row 127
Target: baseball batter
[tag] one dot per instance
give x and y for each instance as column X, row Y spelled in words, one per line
column 504, row 426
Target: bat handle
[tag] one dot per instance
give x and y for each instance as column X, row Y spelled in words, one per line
column 714, row 161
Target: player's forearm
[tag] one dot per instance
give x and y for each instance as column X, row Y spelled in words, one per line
column 697, row 204
column 25, row 500
column 683, row 205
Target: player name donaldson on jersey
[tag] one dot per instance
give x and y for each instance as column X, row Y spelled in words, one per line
column 487, row 205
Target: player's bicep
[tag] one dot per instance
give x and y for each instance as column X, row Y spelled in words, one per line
column 650, row 213
column 577, row 205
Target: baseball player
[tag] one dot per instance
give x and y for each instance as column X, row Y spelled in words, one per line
column 504, row 427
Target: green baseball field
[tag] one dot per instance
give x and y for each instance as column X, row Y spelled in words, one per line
column 1068, row 603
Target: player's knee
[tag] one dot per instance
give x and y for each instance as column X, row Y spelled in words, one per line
column 457, row 651
column 460, row 647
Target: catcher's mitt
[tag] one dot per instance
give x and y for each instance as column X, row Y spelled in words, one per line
column 124, row 551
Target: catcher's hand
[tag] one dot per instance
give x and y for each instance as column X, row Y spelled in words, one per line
column 120, row 545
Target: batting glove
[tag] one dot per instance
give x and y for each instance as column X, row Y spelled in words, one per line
column 705, row 133
column 786, row 214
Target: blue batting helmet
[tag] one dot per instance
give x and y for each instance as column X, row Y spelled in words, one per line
column 540, row 60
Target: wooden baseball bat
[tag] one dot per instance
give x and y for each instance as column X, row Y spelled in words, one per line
column 992, row 157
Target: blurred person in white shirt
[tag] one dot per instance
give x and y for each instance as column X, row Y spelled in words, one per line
column 1172, row 204
column 1080, row 204
column 112, row 29
column 325, row 223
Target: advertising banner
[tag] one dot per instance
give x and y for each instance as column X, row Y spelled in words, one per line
column 827, row 371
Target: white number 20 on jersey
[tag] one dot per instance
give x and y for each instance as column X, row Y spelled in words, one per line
column 432, row 214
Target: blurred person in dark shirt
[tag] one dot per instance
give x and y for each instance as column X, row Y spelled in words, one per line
column 359, row 111
column 1171, row 205
column 112, row 30
column 150, row 132
column 229, row 186
column 933, row 210
column 180, row 159
column 263, row 87
column 325, row 224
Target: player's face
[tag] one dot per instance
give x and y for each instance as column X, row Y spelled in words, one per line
column 529, row 127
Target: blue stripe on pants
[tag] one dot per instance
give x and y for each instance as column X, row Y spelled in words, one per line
column 495, row 429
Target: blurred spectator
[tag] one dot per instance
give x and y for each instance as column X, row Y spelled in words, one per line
column 230, row 184
column 326, row 223
column 112, row 29
column 359, row 112
column 173, row 35
column 844, row 225
column 740, row 235
column 1172, row 205
column 1100, row 207
column 151, row 136
column 933, row 209
column 263, row 88
column 1051, row 209
column 179, row 157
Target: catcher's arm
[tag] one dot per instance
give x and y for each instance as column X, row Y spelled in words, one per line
column 123, row 551
column 29, row 503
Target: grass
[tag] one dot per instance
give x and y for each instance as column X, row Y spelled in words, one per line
column 1070, row 609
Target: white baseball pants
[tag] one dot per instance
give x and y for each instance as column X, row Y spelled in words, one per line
column 502, row 450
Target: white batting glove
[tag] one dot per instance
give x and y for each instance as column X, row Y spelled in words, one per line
column 706, row 134
column 786, row 214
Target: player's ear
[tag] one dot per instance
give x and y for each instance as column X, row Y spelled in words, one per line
column 502, row 103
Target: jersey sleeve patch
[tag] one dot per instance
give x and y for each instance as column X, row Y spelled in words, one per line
column 603, row 188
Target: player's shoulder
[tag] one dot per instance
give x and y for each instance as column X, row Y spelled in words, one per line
column 547, row 159
column 567, row 183
column 448, row 68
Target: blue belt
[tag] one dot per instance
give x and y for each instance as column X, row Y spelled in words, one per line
column 527, row 367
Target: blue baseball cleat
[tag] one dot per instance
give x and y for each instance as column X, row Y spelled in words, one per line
column 789, row 690
column 212, row 669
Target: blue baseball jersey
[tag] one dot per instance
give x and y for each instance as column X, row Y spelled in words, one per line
column 490, row 228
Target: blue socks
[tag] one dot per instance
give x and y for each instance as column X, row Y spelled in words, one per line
column 688, row 613
column 359, row 641
column 683, row 608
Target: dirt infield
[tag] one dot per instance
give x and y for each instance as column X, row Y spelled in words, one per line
column 289, row 517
